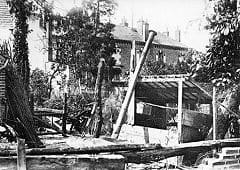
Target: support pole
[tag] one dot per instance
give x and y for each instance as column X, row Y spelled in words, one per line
column 21, row 155
column 64, row 118
column 131, row 85
column 146, row 135
column 132, row 108
column 180, row 114
column 214, row 106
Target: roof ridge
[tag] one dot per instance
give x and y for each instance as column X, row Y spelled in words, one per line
column 127, row 33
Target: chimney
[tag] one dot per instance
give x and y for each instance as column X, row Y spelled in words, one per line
column 143, row 29
column 178, row 35
column 124, row 22
column 166, row 33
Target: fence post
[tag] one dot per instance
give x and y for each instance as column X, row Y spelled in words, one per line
column 64, row 118
column 21, row 156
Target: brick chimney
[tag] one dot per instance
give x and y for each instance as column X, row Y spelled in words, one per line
column 178, row 35
column 166, row 33
column 143, row 29
column 124, row 22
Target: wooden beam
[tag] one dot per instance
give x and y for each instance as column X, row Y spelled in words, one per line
column 132, row 85
column 214, row 106
column 48, row 110
column 180, row 117
column 134, row 152
column 64, row 117
column 146, row 135
column 132, row 105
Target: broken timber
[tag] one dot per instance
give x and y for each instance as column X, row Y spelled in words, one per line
column 48, row 112
column 135, row 152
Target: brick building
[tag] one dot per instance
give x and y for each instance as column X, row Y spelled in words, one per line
column 163, row 48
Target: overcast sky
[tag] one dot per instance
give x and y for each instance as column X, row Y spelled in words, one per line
column 187, row 15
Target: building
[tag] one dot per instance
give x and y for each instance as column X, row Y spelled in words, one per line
column 37, row 40
column 163, row 48
column 6, row 21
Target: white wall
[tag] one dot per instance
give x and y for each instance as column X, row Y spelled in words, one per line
column 37, row 43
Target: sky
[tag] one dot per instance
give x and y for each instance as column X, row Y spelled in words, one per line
column 162, row 15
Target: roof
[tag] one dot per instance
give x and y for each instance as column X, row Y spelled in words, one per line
column 6, row 20
column 166, row 40
column 126, row 33
column 164, row 89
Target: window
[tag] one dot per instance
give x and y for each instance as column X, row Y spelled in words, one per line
column 160, row 56
column 117, row 56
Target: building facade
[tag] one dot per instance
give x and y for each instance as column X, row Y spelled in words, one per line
column 163, row 47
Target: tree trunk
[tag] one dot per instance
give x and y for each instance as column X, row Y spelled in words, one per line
column 19, row 114
column 227, row 117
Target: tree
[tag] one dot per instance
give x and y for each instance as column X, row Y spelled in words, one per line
column 82, row 39
column 219, row 64
column 21, row 10
column 39, row 86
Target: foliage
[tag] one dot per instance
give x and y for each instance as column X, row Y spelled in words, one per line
column 78, row 102
column 54, row 103
column 100, row 8
column 157, row 68
column 39, row 86
column 81, row 39
column 186, row 66
column 21, row 10
column 219, row 63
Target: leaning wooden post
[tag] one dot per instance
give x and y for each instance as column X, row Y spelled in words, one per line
column 98, row 99
column 131, row 85
column 180, row 114
column 21, row 155
column 214, row 106
column 31, row 103
column 64, row 118
column 131, row 108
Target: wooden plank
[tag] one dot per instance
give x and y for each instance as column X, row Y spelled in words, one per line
column 85, row 150
column 38, row 109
